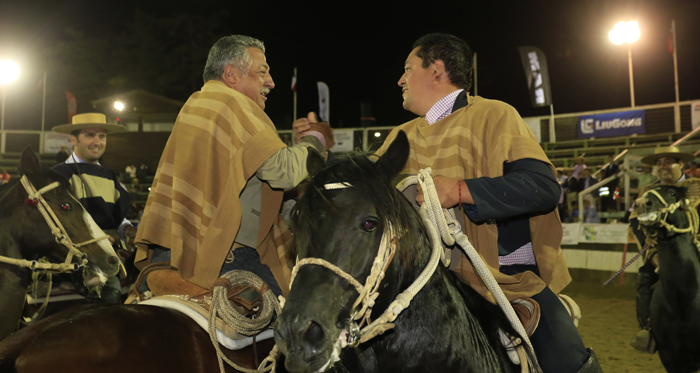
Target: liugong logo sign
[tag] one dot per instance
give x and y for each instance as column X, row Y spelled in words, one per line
column 613, row 124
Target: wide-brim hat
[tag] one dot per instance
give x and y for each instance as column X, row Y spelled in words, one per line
column 667, row 152
column 89, row 120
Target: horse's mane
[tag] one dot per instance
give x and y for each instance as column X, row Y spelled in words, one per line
column 359, row 170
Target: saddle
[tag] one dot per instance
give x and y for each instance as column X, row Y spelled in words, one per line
column 168, row 289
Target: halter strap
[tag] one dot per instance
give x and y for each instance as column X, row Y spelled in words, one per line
column 57, row 230
column 690, row 212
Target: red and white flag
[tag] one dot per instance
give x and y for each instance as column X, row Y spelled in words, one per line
column 294, row 84
column 72, row 106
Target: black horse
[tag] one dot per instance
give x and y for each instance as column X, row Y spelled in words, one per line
column 675, row 304
column 448, row 326
column 25, row 234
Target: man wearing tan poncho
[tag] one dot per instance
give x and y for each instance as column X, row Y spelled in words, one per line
column 485, row 158
column 215, row 200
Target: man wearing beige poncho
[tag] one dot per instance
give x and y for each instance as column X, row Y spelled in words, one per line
column 486, row 159
column 215, row 200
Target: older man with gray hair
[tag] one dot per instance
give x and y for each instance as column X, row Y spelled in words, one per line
column 215, row 200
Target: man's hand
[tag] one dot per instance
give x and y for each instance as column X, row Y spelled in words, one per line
column 325, row 129
column 302, row 125
column 448, row 191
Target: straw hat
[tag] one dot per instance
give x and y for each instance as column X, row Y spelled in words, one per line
column 667, row 152
column 89, row 120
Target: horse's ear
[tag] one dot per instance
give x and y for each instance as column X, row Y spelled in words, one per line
column 29, row 164
column 394, row 160
column 314, row 162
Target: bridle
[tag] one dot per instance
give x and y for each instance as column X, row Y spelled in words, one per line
column 668, row 209
column 356, row 333
column 35, row 198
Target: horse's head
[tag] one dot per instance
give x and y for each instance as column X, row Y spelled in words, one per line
column 340, row 221
column 663, row 206
column 36, row 238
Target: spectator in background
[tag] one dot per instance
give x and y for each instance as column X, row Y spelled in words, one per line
column 590, row 214
column 142, row 172
column 692, row 170
column 607, row 201
column 62, row 155
column 586, row 181
column 561, row 178
column 645, row 177
column 561, row 206
column 574, row 212
column 131, row 170
column 578, row 167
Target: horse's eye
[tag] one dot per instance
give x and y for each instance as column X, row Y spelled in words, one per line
column 369, row 225
column 66, row 207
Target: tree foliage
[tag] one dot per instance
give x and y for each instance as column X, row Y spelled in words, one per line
column 163, row 55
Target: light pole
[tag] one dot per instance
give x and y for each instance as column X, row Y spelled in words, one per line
column 9, row 71
column 626, row 32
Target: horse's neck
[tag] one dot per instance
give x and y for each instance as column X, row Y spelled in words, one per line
column 439, row 309
column 679, row 267
column 13, row 285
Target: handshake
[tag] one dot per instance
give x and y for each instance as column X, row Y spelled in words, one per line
column 309, row 126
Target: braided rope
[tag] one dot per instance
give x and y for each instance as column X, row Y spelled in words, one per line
column 451, row 232
column 690, row 212
column 220, row 306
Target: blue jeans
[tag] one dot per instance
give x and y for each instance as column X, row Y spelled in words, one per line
column 558, row 346
column 244, row 258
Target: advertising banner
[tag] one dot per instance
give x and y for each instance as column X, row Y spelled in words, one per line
column 535, row 65
column 343, row 141
column 623, row 123
column 575, row 233
column 53, row 142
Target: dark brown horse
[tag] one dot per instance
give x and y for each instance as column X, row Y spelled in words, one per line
column 118, row 338
column 675, row 304
column 339, row 225
column 26, row 234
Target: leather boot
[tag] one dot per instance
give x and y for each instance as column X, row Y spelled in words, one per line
column 591, row 365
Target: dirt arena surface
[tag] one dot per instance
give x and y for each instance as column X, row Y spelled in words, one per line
column 607, row 324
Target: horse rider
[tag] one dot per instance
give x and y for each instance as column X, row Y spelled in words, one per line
column 488, row 162
column 669, row 162
column 97, row 187
column 215, row 201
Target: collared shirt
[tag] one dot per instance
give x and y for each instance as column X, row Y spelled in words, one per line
column 442, row 108
column 75, row 159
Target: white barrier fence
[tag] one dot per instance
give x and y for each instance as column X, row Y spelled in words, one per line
column 601, row 260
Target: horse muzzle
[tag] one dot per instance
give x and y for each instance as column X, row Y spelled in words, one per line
column 306, row 344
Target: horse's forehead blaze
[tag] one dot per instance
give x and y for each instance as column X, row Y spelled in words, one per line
column 95, row 231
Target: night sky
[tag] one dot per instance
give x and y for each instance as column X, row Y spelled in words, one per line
column 359, row 49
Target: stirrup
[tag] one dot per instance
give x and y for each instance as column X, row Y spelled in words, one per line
column 643, row 341
column 591, row 365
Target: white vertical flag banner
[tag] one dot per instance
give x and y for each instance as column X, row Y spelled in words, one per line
column 323, row 102
column 535, row 65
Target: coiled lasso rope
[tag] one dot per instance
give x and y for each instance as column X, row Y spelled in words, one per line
column 220, row 306
column 444, row 221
